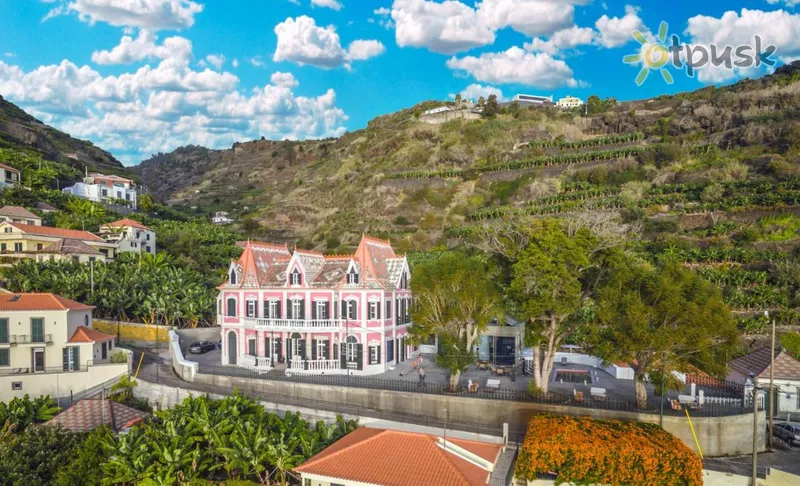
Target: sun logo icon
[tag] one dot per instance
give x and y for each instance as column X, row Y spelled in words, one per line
column 653, row 55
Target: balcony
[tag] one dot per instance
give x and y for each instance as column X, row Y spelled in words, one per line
column 293, row 324
column 31, row 339
column 315, row 366
column 259, row 364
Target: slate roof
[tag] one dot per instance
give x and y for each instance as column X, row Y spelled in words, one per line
column 39, row 302
column 90, row 413
column 757, row 362
column 84, row 334
column 17, row 212
column 395, row 458
column 43, row 206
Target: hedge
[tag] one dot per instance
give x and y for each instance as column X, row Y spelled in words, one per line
column 586, row 451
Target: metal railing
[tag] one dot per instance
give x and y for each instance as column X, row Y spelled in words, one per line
column 708, row 409
column 10, row 371
column 31, row 339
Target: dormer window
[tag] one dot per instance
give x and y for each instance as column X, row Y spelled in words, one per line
column 295, row 278
column 233, row 277
column 352, row 276
column 404, row 281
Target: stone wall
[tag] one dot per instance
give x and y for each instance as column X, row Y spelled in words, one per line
column 134, row 333
column 718, row 436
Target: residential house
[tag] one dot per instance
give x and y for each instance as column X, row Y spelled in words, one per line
column 48, row 347
column 17, row 214
column 786, row 375
column 129, row 235
column 370, row 456
column 524, row 100
column 46, row 243
column 304, row 312
column 221, row 217
column 500, row 344
column 105, row 188
column 9, row 176
column 88, row 414
column 569, row 102
column 45, row 208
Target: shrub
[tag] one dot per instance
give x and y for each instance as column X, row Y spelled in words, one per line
column 120, row 357
column 587, row 451
column 401, row 220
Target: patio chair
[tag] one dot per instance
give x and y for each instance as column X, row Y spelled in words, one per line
column 500, row 371
column 675, row 405
column 578, row 395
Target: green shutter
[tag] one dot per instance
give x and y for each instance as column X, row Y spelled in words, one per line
column 3, row 330
column 37, row 329
column 65, row 359
column 76, row 358
column 5, row 359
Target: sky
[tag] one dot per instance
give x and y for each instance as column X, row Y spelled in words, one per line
column 138, row 77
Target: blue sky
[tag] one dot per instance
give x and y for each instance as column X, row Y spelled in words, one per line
column 141, row 76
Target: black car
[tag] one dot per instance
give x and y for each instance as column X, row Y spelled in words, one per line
column 201, row 347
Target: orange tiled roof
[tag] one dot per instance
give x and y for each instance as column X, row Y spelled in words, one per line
column 57, row 232
column 84, row 334
column 395, row 458
column 127, row 223
column 39, row 302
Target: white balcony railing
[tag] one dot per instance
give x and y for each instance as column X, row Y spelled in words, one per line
column 292, row 324
column 260, row 364
column 331, row 366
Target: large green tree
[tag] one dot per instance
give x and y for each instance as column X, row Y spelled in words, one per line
column 662, row 317
column 455, row 298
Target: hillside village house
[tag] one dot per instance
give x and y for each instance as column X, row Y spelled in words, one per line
column 17, row 214
column 9, row 176
column 786, row 375
column 47, row 243
column 129, row 235
column 48, row 347
column 569, row 102
column 221, row 217
column 105, row 188
column 309, row 313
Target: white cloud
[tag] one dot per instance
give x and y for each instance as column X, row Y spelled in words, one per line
column 382, row 11
column 283, row 79
column 156, row 109
column 302, row 42
column 518, row 67
column 235, row 63
column 361, row 50
column 9, row 54
column 130, row 50
column 447, row 27
column 562, row 40
column 778, row 28
column 146, row 14
column 332, row 4
column 789, row 3
column 257, row 61
column 529, row 17
column 474, row 92
column 616, row 31
column 216, row 60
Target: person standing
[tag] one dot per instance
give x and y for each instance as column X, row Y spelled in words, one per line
column 421, row 360
column 421, row 376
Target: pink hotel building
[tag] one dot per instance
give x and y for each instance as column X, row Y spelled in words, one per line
column 305, row 312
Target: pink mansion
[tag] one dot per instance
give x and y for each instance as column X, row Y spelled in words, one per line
column 305, row 312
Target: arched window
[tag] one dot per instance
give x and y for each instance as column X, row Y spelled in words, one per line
column 86, row 320
column 233, row 277
column 295, row 278
column 352, row 348
column 231, row 307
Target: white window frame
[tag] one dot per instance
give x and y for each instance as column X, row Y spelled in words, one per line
column 272, row 309
column 322, row 310
column 352, row 302
column 352, row 349
column 295, row 273
column 373, row 310
column 352, row 276
column 297, row 309
column 322, row 344
column 373, row 354
column 296, row 348
column 252, row 308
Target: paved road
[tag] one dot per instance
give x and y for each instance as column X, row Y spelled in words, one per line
column 782, row 458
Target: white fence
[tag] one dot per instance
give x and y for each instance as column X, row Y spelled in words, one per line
column 260, row 364
column 184, row 368
column 329, row 366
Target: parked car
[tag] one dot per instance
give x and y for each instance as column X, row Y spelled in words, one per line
column 201, row 347
column 789, row 432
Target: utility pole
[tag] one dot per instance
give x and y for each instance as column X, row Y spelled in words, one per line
column 771, row 384
column 755, row 428
column 663, row 390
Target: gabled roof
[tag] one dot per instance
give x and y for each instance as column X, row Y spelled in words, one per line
column 17, row 212
column 395, row 458
column 43, row 206
column 261, row 265
column 127, row 223
column 70, row 246
column 56, row 232
column 90, row 413
column 757, row 363
column 39, row 302
column 9, row 168
column 85, row 334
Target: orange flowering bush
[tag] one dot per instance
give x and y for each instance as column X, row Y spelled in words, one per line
column 587, row 451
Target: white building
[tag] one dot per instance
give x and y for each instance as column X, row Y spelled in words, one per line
column 786, row 377
column 569, row 102
column 221, row 217
column 103, row 188
column 525, row 99
column 17, row 214
column 48, row 347
column 130, row 235
column 9, row 176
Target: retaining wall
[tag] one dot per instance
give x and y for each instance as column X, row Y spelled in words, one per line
column 134, row 333
column 718, row 436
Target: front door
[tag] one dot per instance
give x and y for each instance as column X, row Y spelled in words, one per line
column 232, row 348
column 38, row 360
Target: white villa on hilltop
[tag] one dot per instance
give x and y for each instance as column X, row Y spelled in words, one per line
column 304, row 312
